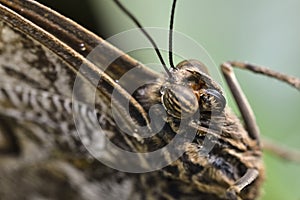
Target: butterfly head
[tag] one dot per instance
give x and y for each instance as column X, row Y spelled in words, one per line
column 190, row 89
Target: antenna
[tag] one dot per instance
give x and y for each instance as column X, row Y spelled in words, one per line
column 171, row 35
column 139, row 25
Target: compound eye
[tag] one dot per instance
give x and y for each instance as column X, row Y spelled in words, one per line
column 211, row 100
column 194, row 65
column 179, row 101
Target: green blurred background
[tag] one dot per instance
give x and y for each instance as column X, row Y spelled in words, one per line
column 260, row 31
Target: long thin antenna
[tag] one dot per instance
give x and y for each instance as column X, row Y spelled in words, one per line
column 139, row 25
column 171, row 35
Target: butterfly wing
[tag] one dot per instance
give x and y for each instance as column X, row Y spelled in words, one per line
column 40, row 144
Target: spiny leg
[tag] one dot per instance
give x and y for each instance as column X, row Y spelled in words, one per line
column 293, row 81
column 242, row 102
column 248, row 178
column 251, row 126
column 281, row 152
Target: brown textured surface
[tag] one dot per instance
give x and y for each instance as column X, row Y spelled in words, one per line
column 44, row 159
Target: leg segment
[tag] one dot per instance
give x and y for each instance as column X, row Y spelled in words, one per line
column 246, row 110
column 248, row 178
column 293, row 81
column 281, row 152
column 241, row 100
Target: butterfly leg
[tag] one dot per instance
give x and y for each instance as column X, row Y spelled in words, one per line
column 248, row 178
column 242, row 102
column 251, row 126
column 281, row 152
column 293, row 81
column 245, row 109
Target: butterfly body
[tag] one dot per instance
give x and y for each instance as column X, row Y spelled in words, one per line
column 44, row 111
column 50, row 134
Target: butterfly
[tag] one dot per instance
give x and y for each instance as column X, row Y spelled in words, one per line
column 50, row 117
